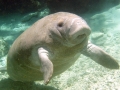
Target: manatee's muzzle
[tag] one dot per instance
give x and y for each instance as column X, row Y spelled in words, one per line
column 71, row 32
column 79, row 31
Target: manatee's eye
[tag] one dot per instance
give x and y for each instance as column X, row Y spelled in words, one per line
column 60, row 24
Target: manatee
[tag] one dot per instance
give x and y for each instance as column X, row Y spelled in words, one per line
column 50, row 46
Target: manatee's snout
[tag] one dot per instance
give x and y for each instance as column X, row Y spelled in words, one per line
column 79, row 28
column 79, row 31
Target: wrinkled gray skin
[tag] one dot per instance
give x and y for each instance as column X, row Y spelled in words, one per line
column 52, row 45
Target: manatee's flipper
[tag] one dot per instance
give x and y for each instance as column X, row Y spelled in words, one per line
column 46, row 65
column 99, row 56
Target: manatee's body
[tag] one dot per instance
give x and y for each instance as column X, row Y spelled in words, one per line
column 52, row 45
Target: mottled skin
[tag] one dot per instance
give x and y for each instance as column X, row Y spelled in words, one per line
column 52, row 45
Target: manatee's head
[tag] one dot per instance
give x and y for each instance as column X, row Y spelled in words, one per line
column 69, row 29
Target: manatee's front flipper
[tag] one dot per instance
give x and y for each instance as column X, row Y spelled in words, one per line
column 46, row 65
column 99, row 56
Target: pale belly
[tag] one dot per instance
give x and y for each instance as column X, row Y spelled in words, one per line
column 62, row 64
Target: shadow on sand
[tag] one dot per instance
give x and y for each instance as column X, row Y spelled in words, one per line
column 8, row 84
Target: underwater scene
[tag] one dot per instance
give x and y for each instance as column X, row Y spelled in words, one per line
column 59, row 45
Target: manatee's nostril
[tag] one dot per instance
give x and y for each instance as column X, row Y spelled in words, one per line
column 60, row 24
column 81, row 36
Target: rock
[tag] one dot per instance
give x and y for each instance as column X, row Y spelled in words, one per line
column 98, row 38
column 4, row 47
column 37, row 15
column 106, row 21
